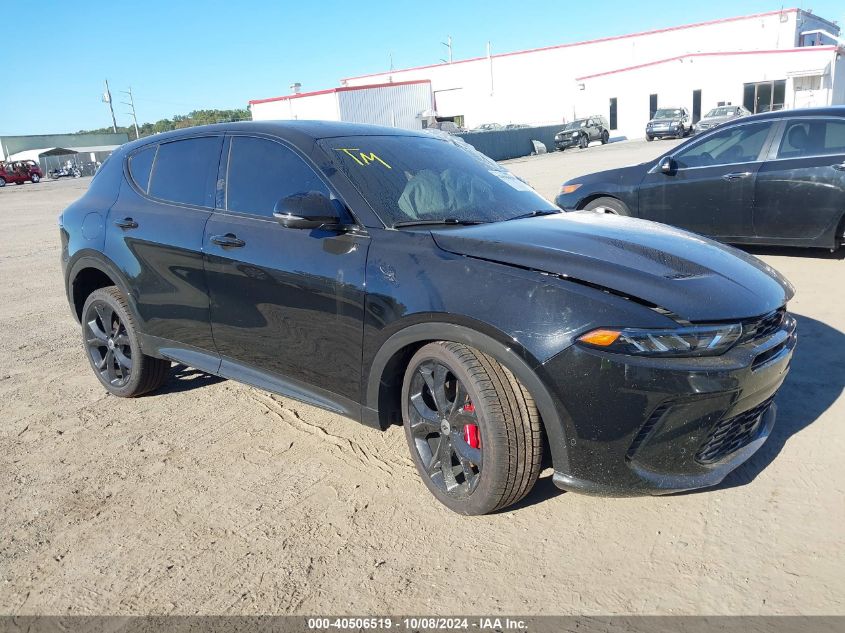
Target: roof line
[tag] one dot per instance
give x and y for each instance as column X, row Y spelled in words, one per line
column 595, row 41
column 707, row 54
column 341, row 89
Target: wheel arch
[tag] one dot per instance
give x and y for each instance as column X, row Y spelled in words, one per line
column 382, row 398
column 595, row 196
column 88, row 273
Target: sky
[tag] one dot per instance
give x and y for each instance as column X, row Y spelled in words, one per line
column 180, row 56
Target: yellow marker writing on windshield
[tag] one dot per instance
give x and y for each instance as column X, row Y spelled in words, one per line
column 365, row 159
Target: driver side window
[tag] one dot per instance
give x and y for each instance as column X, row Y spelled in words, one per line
column 261, row 172
column 741, row 144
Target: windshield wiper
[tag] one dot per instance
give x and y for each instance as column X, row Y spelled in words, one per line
column 534, row 214
column 438, row 221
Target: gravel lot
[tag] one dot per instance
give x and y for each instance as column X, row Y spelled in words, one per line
column 210, row 497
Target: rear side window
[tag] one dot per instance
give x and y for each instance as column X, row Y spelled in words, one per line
column 262, row 172
column 817, row 137
column 140, row 165
column 185, row 171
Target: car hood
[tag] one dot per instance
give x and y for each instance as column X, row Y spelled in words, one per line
column 695, row 278
column 664, row 121
column 713, row 120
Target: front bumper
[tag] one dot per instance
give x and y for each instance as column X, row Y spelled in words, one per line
column 570, row 141
column 664, row 133
column 655, row 426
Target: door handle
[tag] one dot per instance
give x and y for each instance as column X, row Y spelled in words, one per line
column 126, row 223
column 227, row 241
column 737, row 175
column 839, row 166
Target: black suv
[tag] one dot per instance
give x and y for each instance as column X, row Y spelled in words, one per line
column 401, row 277
column 581, row 132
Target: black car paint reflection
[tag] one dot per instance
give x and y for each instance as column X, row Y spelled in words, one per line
column 331, row 316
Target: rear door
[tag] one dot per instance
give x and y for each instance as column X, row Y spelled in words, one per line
column 800, row 191
column 711, row 190
column 284, row 302
column 154, row 235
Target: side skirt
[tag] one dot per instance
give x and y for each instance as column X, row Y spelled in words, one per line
column 241, row 372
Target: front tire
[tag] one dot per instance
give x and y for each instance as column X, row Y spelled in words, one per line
column 605, row 137
column 35, row 178
column 649, row 138
column 110, row 339
column 473, row 430
column 608, row 205
column 583, row 142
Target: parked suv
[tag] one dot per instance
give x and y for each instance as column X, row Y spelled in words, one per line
column 666, row 122
column 19, row 172
column 397, row 277
column 581, row 132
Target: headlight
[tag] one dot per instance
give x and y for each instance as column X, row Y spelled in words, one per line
column 696, row 340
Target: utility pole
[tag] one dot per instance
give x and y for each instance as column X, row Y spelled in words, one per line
column 448, row 45
column 131, row 104
column 107, row 99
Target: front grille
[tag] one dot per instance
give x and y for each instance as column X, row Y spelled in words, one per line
column 762, row 327
column 732, row 434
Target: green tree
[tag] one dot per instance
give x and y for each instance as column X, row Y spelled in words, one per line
column 179, row 121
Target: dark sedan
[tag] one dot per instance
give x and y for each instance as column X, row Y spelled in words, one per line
column 775, row 178
column 403, row 278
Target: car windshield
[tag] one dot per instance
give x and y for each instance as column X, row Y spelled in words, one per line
column 667, row 113
column 578, row 123
column 720, row 112
column 413, row 179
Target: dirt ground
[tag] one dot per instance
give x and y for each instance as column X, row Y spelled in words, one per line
column 211, row 497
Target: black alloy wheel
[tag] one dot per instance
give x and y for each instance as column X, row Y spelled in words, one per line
column 473, row 430
column 111, row 344
column 444, row 425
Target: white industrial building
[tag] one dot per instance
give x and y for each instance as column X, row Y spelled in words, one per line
column 780, row 59
column 397, row 104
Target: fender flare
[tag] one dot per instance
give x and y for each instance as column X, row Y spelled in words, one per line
column 503, row 353
column 97, row 261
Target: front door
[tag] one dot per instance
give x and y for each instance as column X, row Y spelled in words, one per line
column 284, row 302
column 800, row 192
column 711, row 188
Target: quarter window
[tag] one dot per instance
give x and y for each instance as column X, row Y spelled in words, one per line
column 262, row 172
column 185, row 171
column 740, row 144
column 817, row 137
column 140, row 165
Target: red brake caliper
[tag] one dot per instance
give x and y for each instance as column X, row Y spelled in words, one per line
column 471, row 435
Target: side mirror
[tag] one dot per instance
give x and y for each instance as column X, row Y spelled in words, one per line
column 311, row 210
column 667, row 165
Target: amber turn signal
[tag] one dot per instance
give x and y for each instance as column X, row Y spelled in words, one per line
column 568, row 188
column 602, row 338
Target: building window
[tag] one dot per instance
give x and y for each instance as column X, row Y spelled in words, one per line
column 811, row 82
column 696, row 106
column 764, row 96
column 652, row 106
column 613, row 113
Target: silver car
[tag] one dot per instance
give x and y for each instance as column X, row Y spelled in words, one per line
column 719, row 115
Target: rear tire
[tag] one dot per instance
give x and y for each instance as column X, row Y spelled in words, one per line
column 110, row 340
column 476, row 391
column 606, row 204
